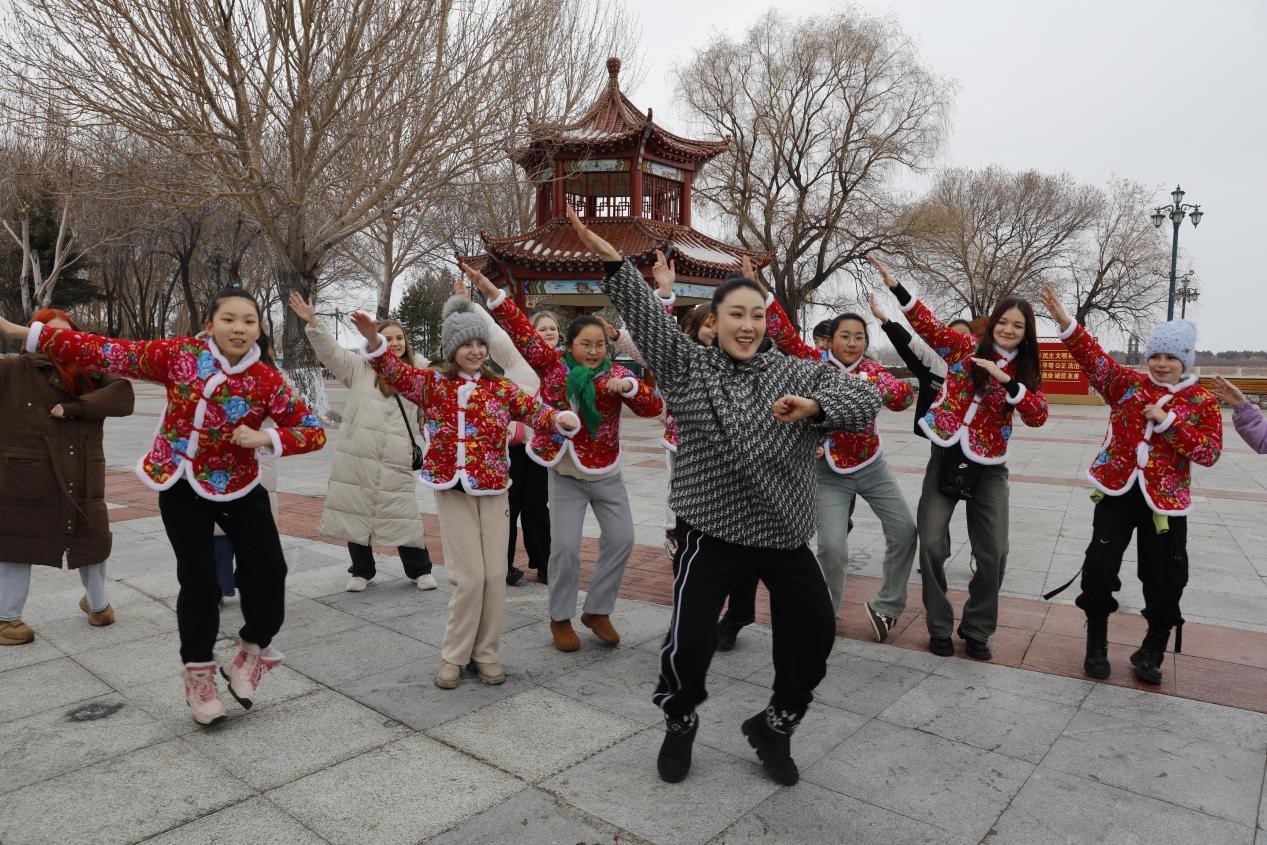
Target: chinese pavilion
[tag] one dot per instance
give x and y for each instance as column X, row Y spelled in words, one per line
column 630, row 180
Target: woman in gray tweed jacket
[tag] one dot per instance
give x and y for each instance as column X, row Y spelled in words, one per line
column 744, row 486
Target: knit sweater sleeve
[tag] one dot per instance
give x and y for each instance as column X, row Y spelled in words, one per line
column 848, row 403
column 1251, row 426
column 665, row 348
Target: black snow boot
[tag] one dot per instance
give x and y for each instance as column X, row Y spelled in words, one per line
column 770, row 733
column 1147, row 660
column 1096, row 663
column 674, row 761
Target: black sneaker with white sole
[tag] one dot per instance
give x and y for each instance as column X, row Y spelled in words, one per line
column 880, row 624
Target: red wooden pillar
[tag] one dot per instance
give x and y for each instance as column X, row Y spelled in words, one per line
column 556, row 209
column 687, row 178
column 635, row 185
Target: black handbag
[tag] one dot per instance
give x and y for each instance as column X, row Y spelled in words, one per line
column 416, row 464
column 957, row 475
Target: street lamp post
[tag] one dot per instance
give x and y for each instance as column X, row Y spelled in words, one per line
column 1176, row 211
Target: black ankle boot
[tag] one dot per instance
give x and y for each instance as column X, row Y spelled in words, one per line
column 770, row 733
column 674, row 761
column 727, row 631
column 1147, row 660
column 1096, row 663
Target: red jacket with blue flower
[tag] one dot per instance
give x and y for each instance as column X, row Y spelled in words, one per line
column 844, row 451
column 594, row 453
column 982, row 423
column 1158, row 456
column 467, row 422
column 207, row 399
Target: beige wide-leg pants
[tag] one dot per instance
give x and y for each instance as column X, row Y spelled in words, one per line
column 474, row 531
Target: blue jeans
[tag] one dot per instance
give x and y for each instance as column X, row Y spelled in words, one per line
column 987, row 532
column 875, row 485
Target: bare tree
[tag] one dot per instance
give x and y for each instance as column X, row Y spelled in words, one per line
column 312, row 115
column 821, row 113
column 1114, row 277
column 981, row 235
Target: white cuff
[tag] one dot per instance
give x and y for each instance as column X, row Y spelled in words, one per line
column 769, row 299
column 1020, row 395
column 667, row 303
column 558, row 424
column 496, row 300
column 276, row 449
column 377, row 353
column 33, row 337
column 1073, row 327
column 908, row 306
column 1158, row 428
column 633, row 389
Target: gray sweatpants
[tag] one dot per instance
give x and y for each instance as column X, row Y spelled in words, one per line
column 568, row 500
column 15, row 586
column 987, row 532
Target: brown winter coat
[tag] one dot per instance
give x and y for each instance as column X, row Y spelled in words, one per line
column 53, row 471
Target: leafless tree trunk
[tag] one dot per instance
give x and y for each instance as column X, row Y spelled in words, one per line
column 981, row 235
column 821, row 112
column 311, row 115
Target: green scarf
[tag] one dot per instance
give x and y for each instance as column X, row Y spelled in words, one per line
column 580, row 390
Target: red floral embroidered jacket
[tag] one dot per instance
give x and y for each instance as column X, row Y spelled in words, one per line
column 467, row 423
column 1156, row 455
column 593, row 453
column 981, row 422
column 844, row 451
column 207, row 398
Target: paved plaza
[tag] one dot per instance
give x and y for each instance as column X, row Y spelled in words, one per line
column 352, row 743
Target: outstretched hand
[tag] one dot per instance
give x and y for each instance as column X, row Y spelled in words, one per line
column 792, row 408
column 368, row 327
column 665, row 274
column 460, row 288
column 12, row 331
column 884, row 272
column 1228, row 393
column 609, row 331
column 480, row 281
column 876, row 310
column 593, row 242
column 1054, row 307
column 303, row 308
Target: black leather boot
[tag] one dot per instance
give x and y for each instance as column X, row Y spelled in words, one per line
column 1096, row 663
column 770, row 733
column 1147, row 660
column 674, row 761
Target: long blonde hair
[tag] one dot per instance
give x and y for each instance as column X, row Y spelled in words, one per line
column 408, row 357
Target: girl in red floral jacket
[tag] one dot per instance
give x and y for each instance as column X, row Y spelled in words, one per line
column 220, row 389
column 584, row 471
column 468, row 410
column 853, row 466
column 1160, row 423
column 971, row 420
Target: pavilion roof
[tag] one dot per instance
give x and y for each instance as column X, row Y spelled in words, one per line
column 554, row 247
column 611, row 123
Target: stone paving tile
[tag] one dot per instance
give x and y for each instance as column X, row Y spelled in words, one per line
column 251, row 822
column 399, row 794
column 45, row 686
column 364, row 650
column 857, row 684
column 1053, row 688
column 428, row 625
column 934, row 780
column 39, row 651
column 809, row 813
column 408, row 695
column 294, row 738
column 1060, row 808
column 620, row 785
column 535, row 733
column 133, row 621
column 66, row 738
column 1223, row 780
column 534, row 816
column 622, row 684
column 120, row 800
column 1225, row 725
column 983, row 717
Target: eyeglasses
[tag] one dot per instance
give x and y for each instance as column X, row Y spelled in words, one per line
column 592, row 347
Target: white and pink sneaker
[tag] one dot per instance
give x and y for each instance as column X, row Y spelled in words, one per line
column 201, row 695
column 247, row 669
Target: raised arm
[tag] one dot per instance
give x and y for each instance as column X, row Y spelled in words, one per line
column 779, row 328
column 1112, row 380
column 342, row 363
column 500, row 346
column 945, row 341
column 406, row 379
column 141, row 359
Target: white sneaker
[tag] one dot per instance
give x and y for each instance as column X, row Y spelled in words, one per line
column 426, row 582
column 357, row 584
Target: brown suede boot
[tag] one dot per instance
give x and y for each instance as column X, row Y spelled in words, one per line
column 16, row 632
column 100, row 618
column 565, row 638
column 601, row 626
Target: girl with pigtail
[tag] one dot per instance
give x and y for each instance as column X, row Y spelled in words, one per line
column 220, row 390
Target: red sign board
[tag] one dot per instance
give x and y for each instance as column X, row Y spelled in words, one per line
column 1061, row 373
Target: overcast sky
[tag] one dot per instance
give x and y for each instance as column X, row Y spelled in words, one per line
column 1161, row 92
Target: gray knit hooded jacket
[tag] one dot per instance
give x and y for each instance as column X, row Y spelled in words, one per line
column 740, row 475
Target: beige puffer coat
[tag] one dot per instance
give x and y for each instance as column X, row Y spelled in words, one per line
column 371, row 499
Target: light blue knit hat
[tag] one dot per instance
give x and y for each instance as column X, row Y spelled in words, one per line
column 1178, row 339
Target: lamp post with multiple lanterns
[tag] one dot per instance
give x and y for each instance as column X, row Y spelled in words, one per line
column 1176, row 211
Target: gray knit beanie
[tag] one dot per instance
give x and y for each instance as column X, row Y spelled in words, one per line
column 1178, row 339
column 461, row 324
